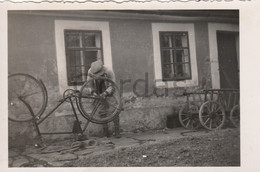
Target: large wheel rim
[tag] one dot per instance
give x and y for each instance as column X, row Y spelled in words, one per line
column 235, row 116
column 188, row 117
column 32, row 91
column 212, row 115
column 100, row 110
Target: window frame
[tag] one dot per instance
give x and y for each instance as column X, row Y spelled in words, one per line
column 70, row 82
column 60, row 25
column 189, row 27
column 174, row 48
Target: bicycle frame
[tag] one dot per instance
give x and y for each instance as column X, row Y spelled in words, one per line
column 78, row 97
column 37, row 120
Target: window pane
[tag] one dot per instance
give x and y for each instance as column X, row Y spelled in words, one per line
column 74, row 58
column 168, row 71
column 89, row 57
column 76, row 74
column 73, row 39
column 179, row 70
column 92, row 40
column 167, row 56
column 179, row 56
column 166, row 74
column 183, row 70
column 187, row 70
column 181, row 40
column 182, row 56
column 184, row 40
column 186, row 55
column 166, row 40
column 89, row 40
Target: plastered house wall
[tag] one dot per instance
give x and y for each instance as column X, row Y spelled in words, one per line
column 32, row 50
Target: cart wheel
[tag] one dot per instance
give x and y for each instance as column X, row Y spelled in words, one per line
column 235, row 115
column 212, row 115
column 32, row 91
column 188, row 116
column 95, row 108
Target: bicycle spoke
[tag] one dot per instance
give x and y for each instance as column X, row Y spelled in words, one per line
column 18, row 85
column 27, row 95
column 113, row 105
column 12, row 92
column 26, row 87
column 94, row 110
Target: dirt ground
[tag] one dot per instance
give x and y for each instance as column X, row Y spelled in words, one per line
column 217, row 148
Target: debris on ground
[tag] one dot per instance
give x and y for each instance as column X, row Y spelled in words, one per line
column 174, row 147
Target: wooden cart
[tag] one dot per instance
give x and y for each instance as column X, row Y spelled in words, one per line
column 208, row 108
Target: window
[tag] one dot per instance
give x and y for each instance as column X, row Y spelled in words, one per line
column 82, row 48
column 174, row 44
column 175, row 58
column 91, row 26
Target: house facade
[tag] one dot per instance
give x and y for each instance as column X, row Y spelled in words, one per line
column 155, row 55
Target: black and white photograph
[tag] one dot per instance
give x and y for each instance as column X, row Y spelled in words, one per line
column 125, row 88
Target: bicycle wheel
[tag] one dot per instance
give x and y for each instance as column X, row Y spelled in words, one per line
column 235, row 116
column 31, row 90
column 188, row 116
column 95, row 108
column 212, row 115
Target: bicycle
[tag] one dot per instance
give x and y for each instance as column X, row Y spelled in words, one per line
column 28, row 98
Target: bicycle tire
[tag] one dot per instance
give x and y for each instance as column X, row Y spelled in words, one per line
column 91, row 109
column 31, row 90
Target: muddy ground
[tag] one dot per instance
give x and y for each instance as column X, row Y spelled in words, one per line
column 216, row 148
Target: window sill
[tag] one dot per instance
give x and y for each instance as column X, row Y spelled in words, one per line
column 176, row 79
column 175, row 84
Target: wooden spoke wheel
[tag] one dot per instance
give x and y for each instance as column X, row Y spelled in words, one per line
column 27, row 88
column 95, row 108
column 212, row 115
column 189, row 117
column 235, row 115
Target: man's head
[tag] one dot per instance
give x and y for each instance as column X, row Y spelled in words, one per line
column 97, row 68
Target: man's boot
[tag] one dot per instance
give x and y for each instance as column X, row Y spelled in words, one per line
column 106, row 130
column 117, row 129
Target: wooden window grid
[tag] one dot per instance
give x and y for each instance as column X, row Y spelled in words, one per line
column 175, row 56
column 82, row 48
